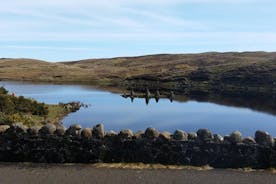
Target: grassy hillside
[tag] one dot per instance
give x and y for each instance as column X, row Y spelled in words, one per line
column 206, row 70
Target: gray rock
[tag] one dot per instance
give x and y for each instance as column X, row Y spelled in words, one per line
column 235, row 137
column 48, row 129
column 192, row 136
column 34, row 130
column 20, row 126
column 204, row 135
column 263, row 138
column 3, row 128
column 139, row 134
column 60, row 131
column 226, row 139
column 165, row 136
column 249, row 140
column 17, row 128
column 218, row 139
column 73, row 130
column 98, row 131
column 126, row 134
column 151, row 133
column 110, row 133
column 86, row 133
column 76, row 126
column 180, row 135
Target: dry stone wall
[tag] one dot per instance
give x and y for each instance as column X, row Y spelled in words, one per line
column 55, row 144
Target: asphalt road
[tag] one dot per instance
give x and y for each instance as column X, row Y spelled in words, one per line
column 38, row 173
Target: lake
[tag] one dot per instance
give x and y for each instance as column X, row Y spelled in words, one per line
column 117, row 113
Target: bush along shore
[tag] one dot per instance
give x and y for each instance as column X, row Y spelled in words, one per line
column 15, row 109
column 56, row 144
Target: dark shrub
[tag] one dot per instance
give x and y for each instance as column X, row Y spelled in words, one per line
column 3, row 91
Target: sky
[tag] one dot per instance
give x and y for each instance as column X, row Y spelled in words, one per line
column 66, row 30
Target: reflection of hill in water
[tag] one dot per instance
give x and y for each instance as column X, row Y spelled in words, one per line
column 256, row 101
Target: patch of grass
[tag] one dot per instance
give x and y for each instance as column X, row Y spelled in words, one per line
column 56, row 113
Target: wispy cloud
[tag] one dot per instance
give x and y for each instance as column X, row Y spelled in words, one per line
column 52, row 48
column 132, row 26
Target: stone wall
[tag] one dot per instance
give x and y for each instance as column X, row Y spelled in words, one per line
column 51, row 144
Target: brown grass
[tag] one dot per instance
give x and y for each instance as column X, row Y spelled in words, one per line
column 254, row 67
column 148, row 166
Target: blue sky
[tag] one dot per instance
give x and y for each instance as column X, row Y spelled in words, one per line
column 59, row 30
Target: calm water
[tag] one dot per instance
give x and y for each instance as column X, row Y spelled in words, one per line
column 118, row 113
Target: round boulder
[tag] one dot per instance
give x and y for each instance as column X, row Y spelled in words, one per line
column 151, row 133
column 126, row 134
column 249, row 140
column 235, row 137
column 76, row 126
column 16, row 129
column 165, row 136
column 73, row 130
column 192, row 136
column 204, row 135
column 3, row 128
column 98, row 131
column 60, row 131
column 226, row 139
column 218, row 138
column 86, row 133
column 180, row 135
column 110, row 133
column 263, row 138
column 20, row 127
column 34, row 130
column 48, row 129
column 139, row 134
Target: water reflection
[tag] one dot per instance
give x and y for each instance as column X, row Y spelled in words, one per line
column 157, row 96
column 255, row 102
column 148, row 95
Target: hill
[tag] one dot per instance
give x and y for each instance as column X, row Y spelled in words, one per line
column 174, row 71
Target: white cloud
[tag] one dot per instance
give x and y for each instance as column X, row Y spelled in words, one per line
column 53, row 48
column 127, row 23
column 154, row 36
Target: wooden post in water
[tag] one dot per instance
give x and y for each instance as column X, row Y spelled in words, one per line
column 147, row 96
column 132, row 93
column 147, row 93
column 171, row 96
column 157, row 96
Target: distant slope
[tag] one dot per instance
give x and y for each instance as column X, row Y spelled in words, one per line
column 232, row 68
column 251, row 68
column 36, row 70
